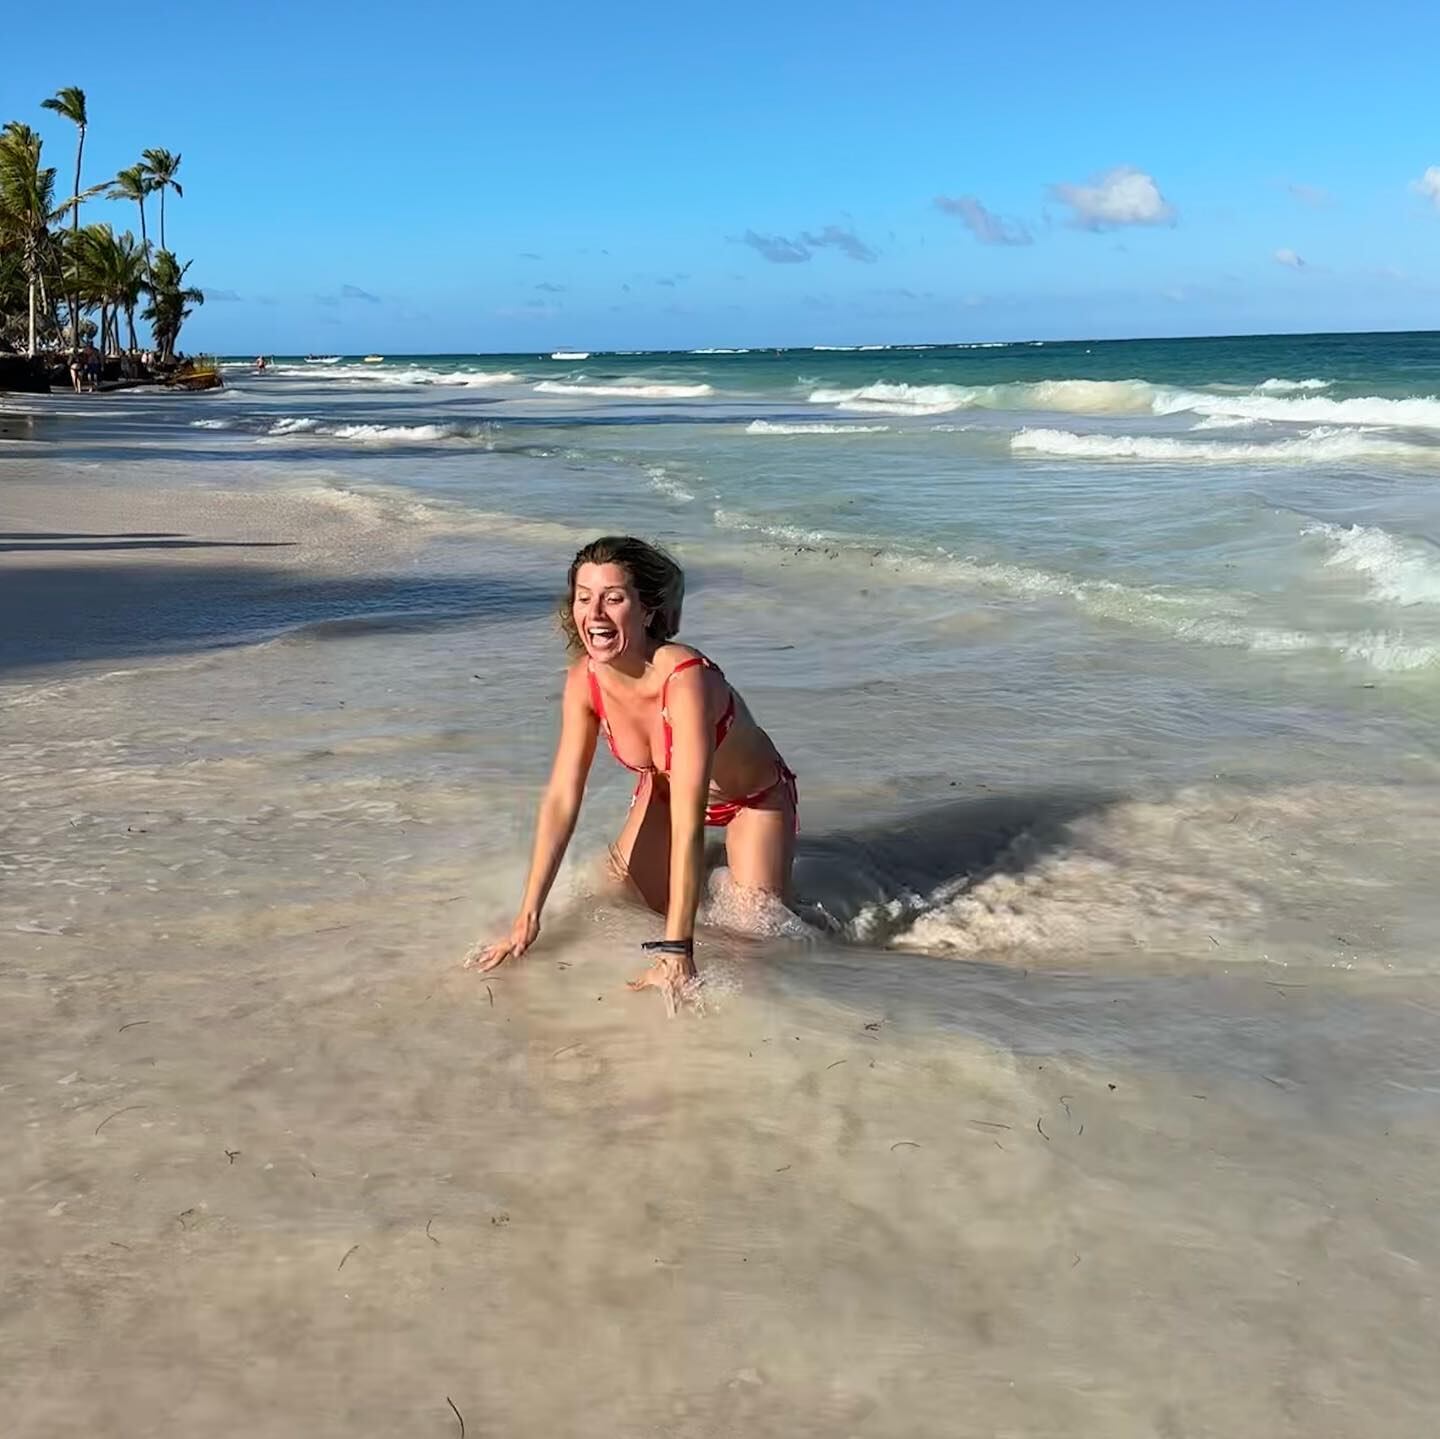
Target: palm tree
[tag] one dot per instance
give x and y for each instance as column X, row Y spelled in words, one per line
column 134, row 184
column 169, row 301
column 112, row 272
column 159, row 167
column 27, row 201
column 70, row 102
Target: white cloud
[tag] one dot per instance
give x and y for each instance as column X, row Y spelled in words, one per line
column 1290, row 258
column 1122, row 196
column 1428, row 185
column 987, row 227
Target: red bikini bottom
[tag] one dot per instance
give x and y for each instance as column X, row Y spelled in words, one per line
column 719, row 813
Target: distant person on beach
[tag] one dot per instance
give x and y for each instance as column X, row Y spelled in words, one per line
column 77, row 370
column 90, row 357
column 259, row 364
column 669, row 714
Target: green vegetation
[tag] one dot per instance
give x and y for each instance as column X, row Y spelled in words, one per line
column 64, row 284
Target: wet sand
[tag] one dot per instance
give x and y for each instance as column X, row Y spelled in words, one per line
column 274, row 1165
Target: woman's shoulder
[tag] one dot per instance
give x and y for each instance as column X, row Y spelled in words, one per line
column 577, row 676
column 671, row 655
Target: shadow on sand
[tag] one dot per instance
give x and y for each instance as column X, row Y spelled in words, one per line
column 55, row 613
column 874, row 866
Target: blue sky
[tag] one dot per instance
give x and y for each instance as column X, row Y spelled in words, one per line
column 457, row 177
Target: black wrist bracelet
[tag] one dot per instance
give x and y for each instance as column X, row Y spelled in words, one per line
column 670, row 946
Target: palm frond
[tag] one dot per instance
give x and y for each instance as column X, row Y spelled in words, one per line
column 69, row 102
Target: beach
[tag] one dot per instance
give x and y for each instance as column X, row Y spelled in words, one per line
column 1090, row 1086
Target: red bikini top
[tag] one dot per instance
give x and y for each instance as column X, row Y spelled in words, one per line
column 722, row 728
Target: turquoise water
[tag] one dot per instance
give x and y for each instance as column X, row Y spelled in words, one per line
column 1270, row 494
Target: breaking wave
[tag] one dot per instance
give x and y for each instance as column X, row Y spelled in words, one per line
column 626, row 392
column 1405, row 572
column 1322, row 444
column 1288, row 387
column 1082, row 397
column 377, row 434
column 1206, row 617
column 1418, row 412
column 394, row 375
column 1292, row 401
column 820, row 427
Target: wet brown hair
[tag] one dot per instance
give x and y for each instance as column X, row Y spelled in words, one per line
column 659, row 585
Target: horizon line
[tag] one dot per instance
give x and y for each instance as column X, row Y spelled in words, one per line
column 542, row 353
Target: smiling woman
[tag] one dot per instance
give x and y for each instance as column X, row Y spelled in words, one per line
column 699, row 754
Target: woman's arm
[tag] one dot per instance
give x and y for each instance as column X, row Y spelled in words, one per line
column 692, row 756
column 559, row 809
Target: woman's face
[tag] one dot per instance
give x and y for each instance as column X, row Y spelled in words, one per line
column 608, row 613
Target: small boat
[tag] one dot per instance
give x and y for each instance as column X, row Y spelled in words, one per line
column 570, row 355
column 322, row 359
column 374, row 360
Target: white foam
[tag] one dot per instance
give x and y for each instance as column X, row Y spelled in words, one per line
column 626, row 392
column 1401, row 571
column 768, row 427
column 1292, row 401
column 1227, row 422
column 786, row 534
column 1391, row 653
column 890, row 398
column 376, row 434
column 1211, row 618
column 396, row 375
column 375, row 506
column 662, row 482
column 1419, row 412
column 1318, row 445
column 1287, row 387
column 1080, row 397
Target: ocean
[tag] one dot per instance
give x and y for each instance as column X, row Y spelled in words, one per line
column 1091, row 1083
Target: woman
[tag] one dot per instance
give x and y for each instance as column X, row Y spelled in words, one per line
column 668, row 714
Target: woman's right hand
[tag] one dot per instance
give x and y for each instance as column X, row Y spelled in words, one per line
column 523, row 933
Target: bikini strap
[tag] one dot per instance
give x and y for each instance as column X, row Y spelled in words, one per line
column 694, row 660
column 683, row 665
column 596, row 702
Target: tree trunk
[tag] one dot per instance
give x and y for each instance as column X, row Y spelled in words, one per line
column 162, row 217
column 145, row 248
column 75, row 255
column 130, row 322
column 32, row 315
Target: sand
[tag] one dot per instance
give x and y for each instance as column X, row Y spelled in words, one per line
column 274, row 1165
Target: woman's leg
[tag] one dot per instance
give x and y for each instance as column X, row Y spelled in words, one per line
column 640, row 857
column 760, row 844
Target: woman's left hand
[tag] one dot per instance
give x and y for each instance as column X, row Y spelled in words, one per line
column 671, row 974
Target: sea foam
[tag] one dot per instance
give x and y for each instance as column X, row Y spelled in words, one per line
column 377, row 434
column 820, row 427
column 1406, row 572
column 626, row 392
column 1193, row 616
column 1318, row 445
column 1287, row 401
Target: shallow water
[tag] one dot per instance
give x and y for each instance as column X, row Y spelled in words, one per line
column 1098, row 1096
